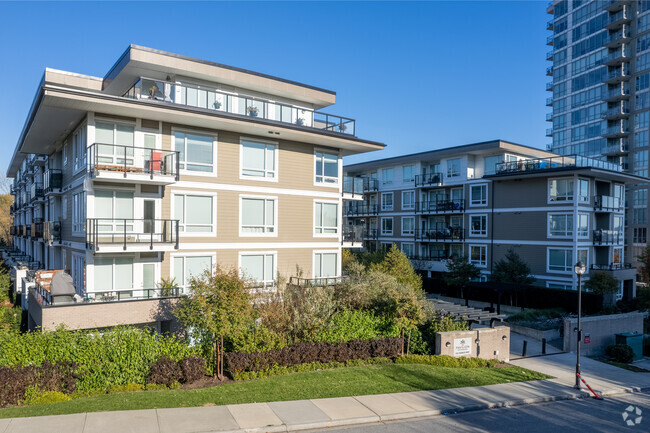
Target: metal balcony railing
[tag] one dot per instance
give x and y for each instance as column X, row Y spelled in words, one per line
column 44, row 298
column 442, row 205
column 608, row 237
column 353, row 185
column 437, row 235
column 555, row 162
column 130, row 159
column 36, row 191
column 610, row 267
column 371, row 234
column 370, row 184
column 428, row 179
column 356, row 209
column 211, row 99
column 605, row 202
column 431, row 257
column 317, row 282
column 101, row 232
column 52, row 181
column 353, row 234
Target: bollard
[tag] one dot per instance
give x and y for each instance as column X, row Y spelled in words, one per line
column 523, row 352
column 543, row 346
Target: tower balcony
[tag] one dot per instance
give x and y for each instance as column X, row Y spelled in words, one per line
column 616, row 5
column 621, row 92
column 616, row 147
column 111, row 235
column 623, row 16
column 618, row 38
column 52, row 181
column 549, row 40
column 131, row 164
column 618, row 112
column 617, row 75
column 620, row 55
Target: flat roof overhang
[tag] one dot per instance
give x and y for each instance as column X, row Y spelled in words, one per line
column 600, row 173
column 57, row 111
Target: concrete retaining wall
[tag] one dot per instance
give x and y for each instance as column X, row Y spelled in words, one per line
column 486, row 343
column 534, row 333
column 601, row 331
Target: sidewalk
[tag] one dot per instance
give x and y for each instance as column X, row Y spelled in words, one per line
column 330, row 412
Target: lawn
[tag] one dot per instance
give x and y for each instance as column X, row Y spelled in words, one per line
column 341, row 382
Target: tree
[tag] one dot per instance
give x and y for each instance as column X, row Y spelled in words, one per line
column 512, row 269
column 399, row 266
column 460, row 271
column 218, row 305
column 6, row 201
column 602, row 283
column 644, row 269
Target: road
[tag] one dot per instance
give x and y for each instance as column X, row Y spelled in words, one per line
column 585, row 415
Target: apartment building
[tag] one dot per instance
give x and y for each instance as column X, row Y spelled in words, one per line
column 482, row 199
column 601, row 92
column 170, row 165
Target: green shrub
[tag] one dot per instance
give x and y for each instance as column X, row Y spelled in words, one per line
column 620, row 353
column 255, row 339
column 278, row 370
column 129, row 387
column 446, row 361
column 154, row 387
column 47, row 397
column 355, row 325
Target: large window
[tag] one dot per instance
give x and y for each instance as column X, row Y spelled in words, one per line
column 478, row 255
column 560, row 260
column 408, row 249
column 491, row 164
column 114, row 209
column 478, row 195
column 195, row 213
column 326, row 218
column 560, row 225
column 327, row 168
column 196, row 152
column 408, row 173
column 113, row 274
column 583, row 190
column 453, row 168
column 79, row 273
column 387, row 176
column 78, row 212
column 325, row 265
column 258, row 216
column 258, row 160
column 408, row 225
column 191, row 266
column 386, row 201
column 478, row 225
column 258, row 268
column 79, row 148
column 560, row 189
column 114, row 143
column 408, row 200
column 387, row 226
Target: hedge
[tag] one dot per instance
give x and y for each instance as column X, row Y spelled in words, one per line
column 307, row 352
column 447, row 361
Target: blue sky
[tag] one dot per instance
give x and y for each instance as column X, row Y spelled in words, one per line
column 416, row 76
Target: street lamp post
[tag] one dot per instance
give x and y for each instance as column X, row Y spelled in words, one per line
column 579, row 269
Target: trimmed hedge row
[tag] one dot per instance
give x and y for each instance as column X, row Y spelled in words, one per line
column 307, row 352
column 17, row 380
column 447, row 361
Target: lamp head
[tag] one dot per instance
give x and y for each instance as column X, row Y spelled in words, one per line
column 579, row 268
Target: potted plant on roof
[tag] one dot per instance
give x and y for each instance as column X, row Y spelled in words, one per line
column 217, row 105
column 342, row 127
column 300, row 121
column 252, row 110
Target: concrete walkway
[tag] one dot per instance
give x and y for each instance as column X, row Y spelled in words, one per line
column 329, row 412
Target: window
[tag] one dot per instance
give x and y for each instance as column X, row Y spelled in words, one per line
column 326, row 218
column 618, row 223
column 327, row 168
column 258, row 216
column 453, row 168
column 560, row 189
column 326, row 265
column 195, row 213
column 583, row 256
column 408, row 225
column 408, row 250
column 196, row 152
column 491, row 164
column 260, row 268
column 192, row 266
column 639, row 216
column 478, row 255
column 79, row 148
column 560, row 260
column 115, row 143
column 478, row 225
column 78, row 212
column 259, row 160
column 583, row 190
column 408, row 200
column 386, row 246
column 387, row 226
column 478, row 195
column 408, row 173
column 617, row 256
column 640, row 235
column 387, row 201
column 113, row 274
column 387, row 176
column 561, row 225
column 559, row 286
column 79, row 273
column 114, row 208
column 583, row 225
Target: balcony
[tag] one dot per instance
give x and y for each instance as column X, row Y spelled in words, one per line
column 317, row 282
column 549, row 86
column 450, row 234
column 549, row 71
column 359, row 209
column 549, row 25
column 443, row 206
column 616, row 5
column 52, row 232
column 619, row 147
column 353, row 188
column 610, row 267
column 370, row 185
column 549, row 55
column 618, row 75
column 549, row 101
column 608, row 237
column 549, row 132
column 605, row 203
column 133, row 164
column 619, row 93
column 36, row 192
column 616, row 131
column 372, row 234
column 353, row 236
column 549, row 8
column 553, row 163
column 621, row 54
column 618, row 112
column 52, row 181
column 618, row 38
column 114, row 235
column 208, row 98
column 549, row 117
column 44, row 297
column 618, row 19
column 428, row 180
column 549, row 40
column 27, row 231
column 37, row 230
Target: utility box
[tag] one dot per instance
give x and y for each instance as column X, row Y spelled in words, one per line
column 634, row 340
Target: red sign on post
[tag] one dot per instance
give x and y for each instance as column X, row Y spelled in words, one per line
column 587, row 339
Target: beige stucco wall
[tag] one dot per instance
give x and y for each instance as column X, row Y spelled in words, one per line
column 491, row 342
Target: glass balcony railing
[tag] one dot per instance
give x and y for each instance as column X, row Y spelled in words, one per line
column 549, row 86
column 52, row 181
column 130, row 159
column 549, row 25
column 608, row 237
column 125, row 232
column 446, row 234
column 441, row 205
column 619, row 55
column 353, row 185
column 618, row 92
column 370, row 184
column 211, row 99
column 357, row 209
column 532, row 165
column 605, row 202
column 353, row 234
column 549, row 40
column 44, row 297
column 428, row 179
column 621, row 110
column 549, row 101
column 610, row 267
column 36, row 191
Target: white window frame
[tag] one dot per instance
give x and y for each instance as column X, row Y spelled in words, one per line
column 392, row 197
column 274, row 233
column 568, row 218
column 568, row 267
column 78, row 144
column 338, row 168
column 480, row 233
column 384, row 179
column 478, row 263
column 577, row 191
column 338, row 262
column 79, row 207
column 214, row 136
column 338, row 219
column 484, row 201
column 548, row 190
column 412, row 178
column 113, row 257
column 411, row 233
column 172, row 256
column 77, row 260
column 411, row 245
column 392, row 229
column 586, row 262
column 585, row 235
column 265, row 283
column 214, row 212
column 460, row 167
column 565, row 286
column 408, row 193
column 276, row 153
